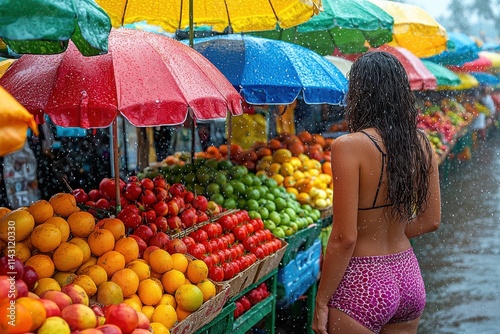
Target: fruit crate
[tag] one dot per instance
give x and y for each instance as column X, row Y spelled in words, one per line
column 325, row 222
column 326, row 212
column 247, row 320
column 296, row 277
column 205, row 314
column 223, row 323
column 242, row 280
column 270, row 262
column 300, row 241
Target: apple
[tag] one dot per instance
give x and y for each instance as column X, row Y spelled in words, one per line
column 97, row 309
column 123, row 316
column 76, row 293
column 173, row 208
column 188, row 217
column 132, row 191
column 160, row 239
column 159, row 181
column 180, row 202
column 54, row 325
column 153, row 227
column 177, row 189
column 12, row 267
column 160, row 208
column 161, row 223
column 201, row 216
column 174, row 222
column 143, row 321
column 213, row 207
column 5, row 288
column 30, row 277
column 177, row 246
column 161, row 194
column 107, row 188
column 132, row 207
column 201, row 203
column 239, row 309
column 148, row 198
column 141, row 331
column 187, row 240
column 94, row 195
column 129, row 218
column 79, row 317
column 147, row 184
column 148, row 216
column 109, row 329
column 103, row 204
column 21, row 288
column 188, row 197
column 245, row 302
column 51, row 307
column 80, row 195
column 141, row 243
column 61, row 299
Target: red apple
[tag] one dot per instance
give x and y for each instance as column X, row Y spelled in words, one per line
column 12, row 267
column 132, row 191
column 123, row 316
column 107, row 187
column 201, row 203
column 177, row 246
column 188, row 217
column 201, row 216
column 141, row 243
column 97, row 310
column 148, row 198
column 109, row 329
column 147, row 183
column 173, row 208
column 80, row 195
column 143, row 322
column 159, row 182
column 132, row 207
column 21, row 288
column 51, row 307
column 79, row 317
column 174, row 222
column 189, row 197
column 161, row 194
column 6, row 289
column 160, row 239
column 61, row 299
column 103, row 204
column 161, row 223
column 30, row 277
column 177, row 189
column 76, row 293
column 160, row 208
column 130, row 219
column 144, row 232
column 148, row 216
column 94, row 195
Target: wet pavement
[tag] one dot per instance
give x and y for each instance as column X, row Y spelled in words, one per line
column 461, row 261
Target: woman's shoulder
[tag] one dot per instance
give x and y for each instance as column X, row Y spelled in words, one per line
column 350, row 143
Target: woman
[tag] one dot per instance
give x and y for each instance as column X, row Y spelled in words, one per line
column 386, row 191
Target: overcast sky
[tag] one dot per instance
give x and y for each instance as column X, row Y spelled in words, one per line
column 435, row 7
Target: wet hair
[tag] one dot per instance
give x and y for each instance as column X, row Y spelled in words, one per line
column 379, row 96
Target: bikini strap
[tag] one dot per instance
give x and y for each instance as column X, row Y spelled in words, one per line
column 381, row 172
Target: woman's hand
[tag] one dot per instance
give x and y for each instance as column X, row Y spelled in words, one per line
column 320, row 321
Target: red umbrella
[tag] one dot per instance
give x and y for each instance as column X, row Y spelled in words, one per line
column 150, row 79
column 480, row 64
column 418, row 74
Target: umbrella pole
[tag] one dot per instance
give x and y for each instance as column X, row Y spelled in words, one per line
column 193, row 136
column 116, row 167
column 191, row 23
column 229, row 133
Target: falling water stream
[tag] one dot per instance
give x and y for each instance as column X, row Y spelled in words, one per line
column 461, row 261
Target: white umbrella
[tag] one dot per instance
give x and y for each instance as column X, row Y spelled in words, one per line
column 342, row 64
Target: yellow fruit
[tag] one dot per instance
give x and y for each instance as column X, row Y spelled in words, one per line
column 89, row 262
column 171, row 280
column 181, row 314
column 189, row 297
column 4, row 211
column 54, row 325
column 63, row 204
column 109, row 293
column 292, row 190
column 42, row 264
column 303, row 198
column 141, row 268
column 159, row 328
column 45, row 284
column 84, row 246
column 20, row 250
column 111, row 261
column 278, row 178
column 96, row 273
column 67, row 257
column 165, row 314
column 208, row 289
column 168, row 299
column 160, row 261
column 101, row 241
column 86, row 283
column 64, row 278
column 296, row 163
column 148, row 311
column 128, row 247
column 133, row 303
column 180, row 262
column 286, row 169
column 128, row 280
column 114, row 225
column 17, row 224
column 150, row 292
column 197, row 271
column 298, row 175
column 41, row 210
column 81, row 224
column 62, row 225
column 273, row 168
column 45, row 237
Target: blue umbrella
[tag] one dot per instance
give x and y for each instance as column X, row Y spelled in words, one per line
column 274, row 72
column 461, row 49
column 493, row 47
column 486, row 79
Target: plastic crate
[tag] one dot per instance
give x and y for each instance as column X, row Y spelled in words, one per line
column 223, row 323
column 251, row 317
column 325, row 222
column 299, row 275
column 300, row 241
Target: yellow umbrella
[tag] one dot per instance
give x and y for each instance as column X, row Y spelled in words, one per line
column 14, row 123
column 491, row 56
column 5, row 64
column 467, row 81
column 414, row 29
column 241, row 16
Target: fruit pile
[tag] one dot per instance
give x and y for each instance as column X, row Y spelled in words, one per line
column 249, row 299
column 57, row 249
column 233, row 186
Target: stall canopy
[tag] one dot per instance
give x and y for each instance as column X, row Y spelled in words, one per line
column 414, row 29
column 461, row 49
column 486, row 79
column 480, row 64
column 444, row 76
column 467, row 81
column 342, row 64
column 493, row 57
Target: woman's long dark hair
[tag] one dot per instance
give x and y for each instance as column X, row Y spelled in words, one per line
column 379, row 96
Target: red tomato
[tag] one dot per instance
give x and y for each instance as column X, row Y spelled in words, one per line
column 240, row 232
column 208, row 246
column 197, row 250
column 216, row 273
column 214, row 245
column 211, row 260
column 258, row 224
column 251, row 242
column 221, row 254
column 199, row 235
column 269, row 235
column 234, row 252
column 259, row 252
column 229, row 270
column 212, row 230
column 227, row 222
column 250, row 228
column 188, row 241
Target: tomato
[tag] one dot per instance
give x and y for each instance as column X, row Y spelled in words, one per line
column 250, row 228
column 216, row 273
column 208, row 246
column 212, row 230
column 221, row 255
column 211, row 260
column 261, row 235
column 259, row 252
column 199, row 235
column 188, row 241
column 234, row 252
column 214, row 245
column 197, row 250
column 228, row 254
column 240, row 232
column 269, row 234
column 258, row 224
column 251, row 242
column 229, row 270
column 227, row 222
column 229, row 238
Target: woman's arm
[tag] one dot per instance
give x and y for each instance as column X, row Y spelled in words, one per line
column 430, row 219
column 340, row 247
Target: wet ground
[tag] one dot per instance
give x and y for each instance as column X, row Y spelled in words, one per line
column 461, row 261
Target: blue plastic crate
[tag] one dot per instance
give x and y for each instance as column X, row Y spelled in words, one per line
column 298, row 275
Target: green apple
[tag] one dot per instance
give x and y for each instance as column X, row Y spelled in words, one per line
column 247, row 180
column 278, row 232
column 280, row 203
column 269, row 224
column 252, row 193
column 229, row 203
column 275, row 217
column 270, row 206
column 199, row 189
column 295, row 226
column 290, row 212
column 254, row 214
column 289, row 231
column 220, row 178
column 252, row 205
column 238, row 187
column 190, row 178
column 241, row 202
column 217, row 198
column 227, row 190
column 264, row 212
column 212, row 164
column 270, row 196
column 271, row 183
column 224, row 165
column 213, row 188
column 285, row 219
column 256, row 180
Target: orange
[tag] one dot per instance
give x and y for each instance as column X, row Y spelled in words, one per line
column 41, row 210
column 207, row 288
column 168, row 299
column 160, row 261
column 62, row 225
column 165, row 314
column 45, row 237
column 197, row 271
column 109, row 293
column 22, row 320
column 4, row 211
column 81, row 224
column 101, row 241
column 159, row 328
column 180, row 262
column 114, row 225
column 181, row 314
column 45, row 284
column 42, row 264
column 64, row 278
column 133, row 303
column 84, row 246
column 27, row 242
column 147, row 251
column 154, row 274
column 150, row 292
column 96, row 273
column 23, row 224
column 128, row 247
column 37, row 310
column 142, row 269
column 158, row 281
column 111, row 261
column 89, row 262
column 63, row 204
column 148, row 311
column 21, row 251
column 128, row 280
column 171, row 280
column 67, row 257
column 189, row 297
column 87, row 283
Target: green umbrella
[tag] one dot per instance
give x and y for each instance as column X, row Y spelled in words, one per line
column 444, row 76
column 346, row 24
column 45, row 26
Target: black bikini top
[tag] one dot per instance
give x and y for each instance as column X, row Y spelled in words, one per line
column 381, row 175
